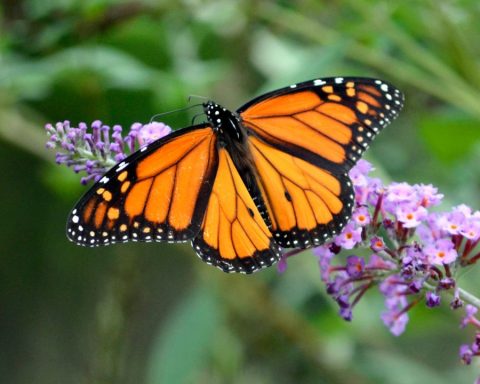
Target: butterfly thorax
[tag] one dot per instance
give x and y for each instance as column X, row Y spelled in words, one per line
column 225, row 123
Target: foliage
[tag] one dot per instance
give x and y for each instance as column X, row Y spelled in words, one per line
column 142, row 313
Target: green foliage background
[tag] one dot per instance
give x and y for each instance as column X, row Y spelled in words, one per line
column 154, row 313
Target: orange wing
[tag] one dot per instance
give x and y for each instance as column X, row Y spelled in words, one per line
column 233, row 235
column 303, row 140
column 328, row 122
column 306, row 203
column 158, row 193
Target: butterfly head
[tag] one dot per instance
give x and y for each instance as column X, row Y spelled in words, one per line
column 215, row 113
column 222, row 120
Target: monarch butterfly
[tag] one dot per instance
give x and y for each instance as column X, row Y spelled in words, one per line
column 243, row 185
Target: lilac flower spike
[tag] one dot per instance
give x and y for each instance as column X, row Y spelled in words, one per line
column 416, row 257
column 95, row 150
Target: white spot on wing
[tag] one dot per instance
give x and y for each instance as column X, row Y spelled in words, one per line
column 122, row 165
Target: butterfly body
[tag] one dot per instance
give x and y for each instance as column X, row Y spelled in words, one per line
column 224, row 122
column 245, row 184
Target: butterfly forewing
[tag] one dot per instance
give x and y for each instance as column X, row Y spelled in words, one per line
column 158, row 193
column 328, row 122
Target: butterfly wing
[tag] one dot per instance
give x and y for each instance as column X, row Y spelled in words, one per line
column 306, row 204
column 303, row 140
column 158, row 193
column 327, row 122
column 233, row 235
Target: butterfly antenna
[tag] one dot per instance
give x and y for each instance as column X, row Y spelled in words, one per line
column 174, row 111
column 197, row 96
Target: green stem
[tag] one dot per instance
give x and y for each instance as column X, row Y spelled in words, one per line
column 469, row 298
column 464, row 295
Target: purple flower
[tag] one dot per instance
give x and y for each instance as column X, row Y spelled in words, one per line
column 401, row 193
column 395, row 321
column 441, row 252
column 395, row 317
column 464, row 209
column 470, row 229
column 410, row 216
column 361, row 217
column 456, row 301
column 349, row 237
column 470, row 312
column 428, row 195
column 325, row 256
column 377, row 244
column 389, row 286
column 466, row 354
column 346, row 313
column 432, row 299
column 428, row 231
column 94, row 151
column 366, row 188
column 358, row 174
column 151, row 132
column 376, row 262
column 452, row 222
column 355, row 266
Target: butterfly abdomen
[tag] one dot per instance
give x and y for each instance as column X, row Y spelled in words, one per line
column 233, row 137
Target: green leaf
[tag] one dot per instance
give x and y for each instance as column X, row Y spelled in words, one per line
column 183, row 343
column 450, row 137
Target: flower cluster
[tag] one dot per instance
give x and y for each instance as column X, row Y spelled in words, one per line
column 95, row 149
column 468, row 351
column 414, row 253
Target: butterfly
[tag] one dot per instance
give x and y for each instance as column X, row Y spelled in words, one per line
column 244, row 185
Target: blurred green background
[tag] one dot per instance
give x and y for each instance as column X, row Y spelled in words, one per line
column 153, row 313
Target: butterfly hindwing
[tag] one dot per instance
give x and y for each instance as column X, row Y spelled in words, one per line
column 234, row 236
column 328, row 122
column 158, row 193
column 306, row 204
